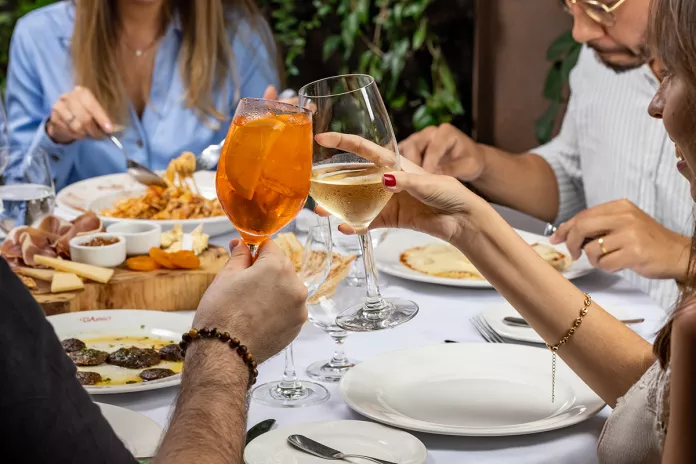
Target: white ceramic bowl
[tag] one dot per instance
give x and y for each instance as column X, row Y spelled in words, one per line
column 140, row 236
column 103, row 256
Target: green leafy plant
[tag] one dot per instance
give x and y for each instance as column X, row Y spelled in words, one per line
column 377, row 37
column 10, row 12
column 563, row 53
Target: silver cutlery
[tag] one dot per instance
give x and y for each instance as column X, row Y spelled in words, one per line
column 485, row 330
column 139, row 172
column 317, row 449
column 519, row 322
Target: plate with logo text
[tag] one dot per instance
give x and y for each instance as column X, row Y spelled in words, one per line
column 94, row 335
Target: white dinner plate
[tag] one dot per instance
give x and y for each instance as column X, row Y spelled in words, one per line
column 388, row 257
column 495, row 314
column 99, row 193
column 469, row 389
column 140, row 434
column 349, row 437
column 87, row 325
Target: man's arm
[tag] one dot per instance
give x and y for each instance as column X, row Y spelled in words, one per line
column 209, row 423
column 523, row 182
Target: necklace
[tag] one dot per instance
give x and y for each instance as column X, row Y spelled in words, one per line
column 138, row 52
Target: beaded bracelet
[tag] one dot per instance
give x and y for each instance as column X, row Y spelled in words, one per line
column 224, row 337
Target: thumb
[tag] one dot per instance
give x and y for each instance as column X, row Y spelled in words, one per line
column 240, row 256
column 270, row 93
column 430, row 189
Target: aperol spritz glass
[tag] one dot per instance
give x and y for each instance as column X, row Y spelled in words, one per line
column 263, row 176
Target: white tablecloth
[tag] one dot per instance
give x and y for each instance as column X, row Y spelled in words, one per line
column 444, row 314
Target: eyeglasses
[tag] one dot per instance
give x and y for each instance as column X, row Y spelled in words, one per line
column 595, row 10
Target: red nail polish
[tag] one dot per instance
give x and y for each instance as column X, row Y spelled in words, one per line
column 389, row 180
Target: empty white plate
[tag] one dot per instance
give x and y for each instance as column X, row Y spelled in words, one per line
column 349, row 437
column 469, row 389
column 495, row 314
column 140, row 434
column 388, row 257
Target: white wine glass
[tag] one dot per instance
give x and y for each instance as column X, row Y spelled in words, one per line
column 350, row 187
column 291, row 392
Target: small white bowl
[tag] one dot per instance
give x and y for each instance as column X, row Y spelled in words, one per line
column 140, row 237
column 103, row 256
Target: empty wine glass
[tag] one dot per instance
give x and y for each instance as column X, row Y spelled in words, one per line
column 323, row 309
column 350, row 109
column 291, row 392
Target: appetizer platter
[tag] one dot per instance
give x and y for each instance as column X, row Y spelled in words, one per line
column 123, row 351
column 189, row 201
column 422, row 258
column 78, row 266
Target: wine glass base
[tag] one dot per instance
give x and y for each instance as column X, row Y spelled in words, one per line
column 323, row 371
column 393, row 312
column 306, row 394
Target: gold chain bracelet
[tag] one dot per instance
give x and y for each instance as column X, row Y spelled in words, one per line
column 564, row 340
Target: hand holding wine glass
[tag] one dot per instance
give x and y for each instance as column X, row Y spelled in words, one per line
column 349, row 185
column 434, row 204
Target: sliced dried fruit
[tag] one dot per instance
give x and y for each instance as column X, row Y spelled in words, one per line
column 142, row 263
column 185, row 259
column 161, row 257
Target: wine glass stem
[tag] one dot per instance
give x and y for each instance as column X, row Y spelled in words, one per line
column 289, row 380
column 254, row 249
column 339, row 358
column 374, row 302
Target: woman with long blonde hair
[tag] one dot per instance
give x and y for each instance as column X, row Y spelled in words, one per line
column 164, row 74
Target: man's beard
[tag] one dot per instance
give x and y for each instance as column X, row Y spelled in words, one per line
column 639, row 58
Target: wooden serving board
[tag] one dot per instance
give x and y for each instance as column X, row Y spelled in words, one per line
column 161, row 290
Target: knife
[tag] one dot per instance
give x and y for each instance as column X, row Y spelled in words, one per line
column 521, row 221
column 519, row 322
column 317, row 449
column 259, row 429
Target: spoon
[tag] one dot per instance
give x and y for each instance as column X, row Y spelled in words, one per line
column 142, row 174
column 317, row 449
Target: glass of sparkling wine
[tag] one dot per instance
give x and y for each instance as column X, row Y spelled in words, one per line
column 350, row 108
column 27, row 193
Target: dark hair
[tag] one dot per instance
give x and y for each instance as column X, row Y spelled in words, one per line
column 672, row 38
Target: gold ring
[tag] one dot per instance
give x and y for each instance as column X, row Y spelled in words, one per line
column 602, row 247
column 70, row 119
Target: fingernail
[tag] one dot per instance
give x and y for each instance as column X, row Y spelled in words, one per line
column 389, row 180
column 234, row 244
column 108, row 127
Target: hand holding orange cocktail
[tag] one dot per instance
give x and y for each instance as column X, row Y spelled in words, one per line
column 263, row 176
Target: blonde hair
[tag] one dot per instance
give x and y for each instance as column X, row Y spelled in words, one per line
column 206, row 58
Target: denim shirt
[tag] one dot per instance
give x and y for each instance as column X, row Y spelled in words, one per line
column 40, row 70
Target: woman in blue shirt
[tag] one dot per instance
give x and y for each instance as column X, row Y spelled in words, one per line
column 169, row 72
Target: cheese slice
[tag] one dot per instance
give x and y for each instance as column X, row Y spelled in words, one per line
column 65, row 282
column 98, row 274
column 40, row 274
column 441, row 260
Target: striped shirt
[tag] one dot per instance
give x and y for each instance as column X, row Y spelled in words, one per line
column 609, row 148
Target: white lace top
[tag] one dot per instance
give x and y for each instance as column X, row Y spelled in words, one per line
column 635, row 432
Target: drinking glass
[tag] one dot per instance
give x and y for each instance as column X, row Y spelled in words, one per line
column 263, row 175
column 323, row 311
column 290, row 392
column 350, row 186
column 27, row 194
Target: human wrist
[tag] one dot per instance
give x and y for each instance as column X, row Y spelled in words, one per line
column 212, row 361
column 471, row 223
column 679, row 261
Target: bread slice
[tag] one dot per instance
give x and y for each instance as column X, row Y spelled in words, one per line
column 440, row 260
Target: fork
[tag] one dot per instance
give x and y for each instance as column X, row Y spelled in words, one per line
column 485, row 330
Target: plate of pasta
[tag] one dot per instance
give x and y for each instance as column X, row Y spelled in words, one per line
column 188, row 201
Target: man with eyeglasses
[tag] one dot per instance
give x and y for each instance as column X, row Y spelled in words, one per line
column 609, row 177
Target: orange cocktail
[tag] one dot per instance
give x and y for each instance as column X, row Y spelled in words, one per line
column 264, row 172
